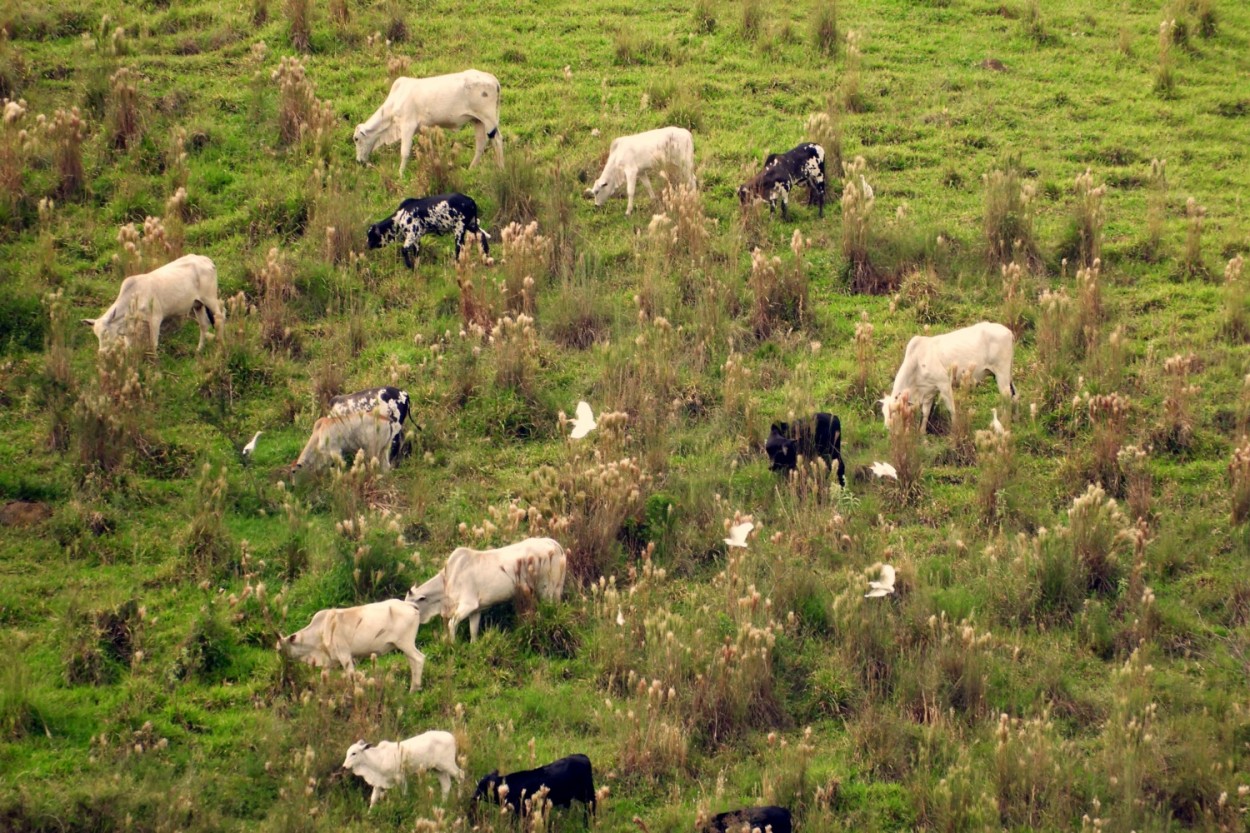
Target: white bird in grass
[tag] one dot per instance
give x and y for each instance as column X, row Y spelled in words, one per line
column 738, row 535
column 251, row 445
column 620, row 618
column 882, row 587
column 867, row 189
column 584, row 422
column 884, row 470
column 995, row 425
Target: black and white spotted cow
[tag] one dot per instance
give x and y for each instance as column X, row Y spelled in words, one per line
column 453, row 214
column 390, row 401
column 804, row 164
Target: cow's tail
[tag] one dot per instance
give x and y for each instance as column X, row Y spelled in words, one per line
column 212, row 319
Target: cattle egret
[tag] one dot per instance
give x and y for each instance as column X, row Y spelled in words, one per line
column 995, row 425
column 251, row 445
column 884, row 586
column 620, row 618
column 738, row 535
column 867, row 189
column 584, row 422
column 884, row 470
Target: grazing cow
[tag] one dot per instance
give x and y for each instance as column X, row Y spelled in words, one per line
column 335, row 637
column 449, row 101
column 340, row 437
column 388, row 763
column 763, row 819
column 930, row 362
column 453, row 214
column 631, row 157
column 186, row 286
column 428, row 597
column 819, row 435
column 566, row 780
column 388, row 400
column 477, row 579
column 782, row 171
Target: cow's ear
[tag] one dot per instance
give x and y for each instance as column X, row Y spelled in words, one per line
column 90, row 322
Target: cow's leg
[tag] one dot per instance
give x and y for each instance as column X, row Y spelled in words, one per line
column 444, row 781
column 646, row 183
column 216, row 312
column 785, row 203
column 378, row 792
column 948, row 399
column 925, row 407
column 201, row 318
column 497, row 140
column 154, row 329
column 481, row 236
column 475, row 621
column 411, row 249
column 405, row 148
column 479, row 140
column 416, row 662
column 631, row 182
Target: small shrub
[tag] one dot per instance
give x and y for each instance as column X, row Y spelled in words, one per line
column 1108, row 413
column 1239, row 481
column 1009, row 233
column 204, row 541
column 1193, row 265
column 825, row 28
column 752, row 19
column 704, row 15
column 1165, row 73
column 299, row 18
column 848, row 85
column 1236, row 315
column 1089, row 218
column 857, row 203
column 66, row 132
column 1177, row 430
column 125, row 122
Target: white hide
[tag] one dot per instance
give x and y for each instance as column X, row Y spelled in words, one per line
column 930, row 362
column 336, row 637
column 448, row 101
column 335, row 436
column 428, row 597
column 477, row 579
column 186, row 286
column 388, row 764
column 630, row 158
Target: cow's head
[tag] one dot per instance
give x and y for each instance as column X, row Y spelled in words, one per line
column 364, row 143
column 783, row 452
column 888, row 403
column 488, row 788
column 109, row 329
column 380, row 234
column 355, row 753
column 299, row 646
column 605, row 186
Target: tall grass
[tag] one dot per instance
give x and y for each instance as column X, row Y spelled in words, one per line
column 1009, row 233
column 1089, row 217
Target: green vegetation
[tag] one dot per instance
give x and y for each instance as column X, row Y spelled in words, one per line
column 1067, row 644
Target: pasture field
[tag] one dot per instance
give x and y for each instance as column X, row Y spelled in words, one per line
column 1058, row 655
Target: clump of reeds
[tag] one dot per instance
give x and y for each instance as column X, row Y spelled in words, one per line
column 66, row 131
column 59, row 387
column 515, row 345
column 435, row 162
column 125, row 122
column 825, row 28
column 1138, row 483
column 1097, row 529
column 824, row 128
column 299, row 18
column 996, row 467
column 1108, row 414
column 476, row 311
column 1030, row 756
column 204, row 541
column 857, row 203
column 144, row 250
column 1008, row 223
column 1088, row 217
column 865, row 356
column 1156, row 205
column 370, row 544
column 527, row 257
column 108, row 418
column 302, row 117
column 682, row 226
column 275, row 285
column 1177, row 429
column 1013, row 303
column 778, row 295
column 15, row 147
column 752, row 19
column 1165, row 73
column 905, row 451
column 1089, row 307
column 1239, row 482
column 848, row 86
column 1193, row 265
column 1236, row 318
column 336, row 210
column 340, row 13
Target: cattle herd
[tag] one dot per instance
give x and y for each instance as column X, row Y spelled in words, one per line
column 372, row 422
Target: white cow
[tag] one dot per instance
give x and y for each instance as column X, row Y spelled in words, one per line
column 186, row 286
column 477, row 579
column 631, row 157
column 930, row 362
column 448, row 101
column 388, row 763
column 428, row 597
column 336, row 637
column 334, row 437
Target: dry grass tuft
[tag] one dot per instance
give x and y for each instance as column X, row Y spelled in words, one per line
column 434, row 162
column 1008, row 225
column 825, row 28
column 1108, row 414
column 857, row 203
column 528, row 255
column 1193, row 265
column 1176, row 433
column 302, row 117
column 905, row 449
column 1236, row 315
column 299, row 17
column 66, row 131
column 143, row 251
column 125, row 121
column 1239, row 482
column 1089, row 217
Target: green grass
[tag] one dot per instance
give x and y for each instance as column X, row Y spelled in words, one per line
column 206, row 730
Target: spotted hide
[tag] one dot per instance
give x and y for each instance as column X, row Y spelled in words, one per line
column 804, row 165
column 453, row 214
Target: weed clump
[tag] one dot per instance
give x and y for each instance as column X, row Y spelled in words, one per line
column 1236, row 313
column 299, row 19
column 1088, row 218
column 301, row 116
column 1239, row 481
column 779, row 294
column 825, row 28
column 1165, row 70
column 1108, row 414
column 1177, row 430
column 528, row 258
column 124, row 118
column 857, row 204
column 435, row 162
column 66, row 131
column 1008, row 225
column 1193, row 265
column 204, row 543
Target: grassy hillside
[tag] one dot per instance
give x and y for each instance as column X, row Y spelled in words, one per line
column 1058, row 654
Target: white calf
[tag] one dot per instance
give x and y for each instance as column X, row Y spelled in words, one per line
column 336, row 637
column 186, row 286
column 388, row 763
column 631, row 157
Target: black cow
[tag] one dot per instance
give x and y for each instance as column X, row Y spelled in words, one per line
column 567, row 780
column 394, row 400
column 445, row 214
column 758, row 818
column 782, row 171
column 819, row 435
